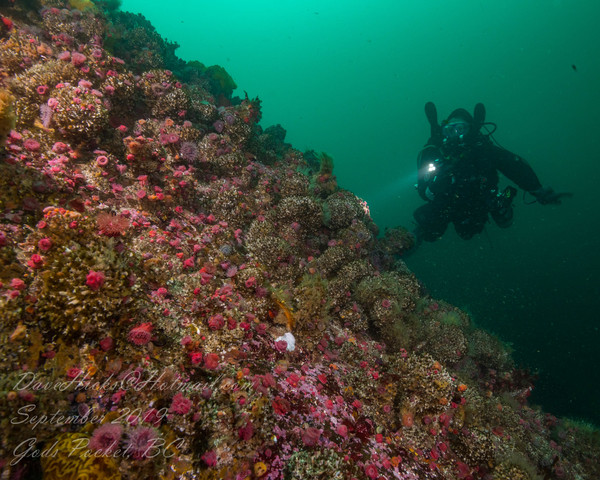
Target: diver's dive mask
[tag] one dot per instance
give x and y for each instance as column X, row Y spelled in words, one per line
column 455, row 131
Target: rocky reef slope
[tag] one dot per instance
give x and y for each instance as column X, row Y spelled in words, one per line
column 184, row 295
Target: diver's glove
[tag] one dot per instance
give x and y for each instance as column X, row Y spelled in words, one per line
column 546, row 195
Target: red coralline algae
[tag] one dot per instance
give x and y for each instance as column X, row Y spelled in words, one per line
column 105, row 439
column 60, row 147
column 231, row 271
column 210, row 458
column 31, row 145
column 205, row 277
column 342, row 430
column 77, row 59
column 112, row 225
column 196, row 358
column 293, row 379
column 371, row 471
column 216, row 322
column 211, row 361
column 107, row 343
column 310, row 436
column 280, row 405
column 73, row 372
column 463, row 470
column 261, row 328
column 246, row 432
column 45, row 244
column 153, row 416
column 8, row 23
column 35, row 261
column 141, row 442
column 18, row 284
column 180, row 404
column 141, row 335
column 95, row 280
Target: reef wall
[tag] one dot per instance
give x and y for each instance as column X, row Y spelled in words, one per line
column 184, row 295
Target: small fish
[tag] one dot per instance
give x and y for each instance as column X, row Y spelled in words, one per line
column 574, row 67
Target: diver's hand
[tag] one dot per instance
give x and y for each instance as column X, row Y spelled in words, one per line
column 547, row 195
column 442, row 181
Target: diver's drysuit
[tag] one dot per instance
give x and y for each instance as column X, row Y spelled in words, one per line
column 458, row 177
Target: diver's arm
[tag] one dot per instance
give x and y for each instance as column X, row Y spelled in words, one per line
column 434, row 176
column 519, row 171
column 516, row 169
column 426, row 161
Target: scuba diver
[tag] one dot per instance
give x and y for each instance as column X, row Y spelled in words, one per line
column 458, row 177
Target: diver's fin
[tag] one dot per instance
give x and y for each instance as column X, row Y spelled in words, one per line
column 431, row 114
column 479, row 115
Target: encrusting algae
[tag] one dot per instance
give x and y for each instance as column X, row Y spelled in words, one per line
column 68, row 458
column 160, row 252
column 7, row 115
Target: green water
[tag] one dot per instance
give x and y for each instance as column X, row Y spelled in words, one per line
column 351, row 78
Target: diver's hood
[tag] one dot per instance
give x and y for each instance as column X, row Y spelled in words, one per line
column 463, row 114
column 476, row 120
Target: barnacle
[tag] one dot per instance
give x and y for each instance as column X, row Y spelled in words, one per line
column 79, row 112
